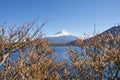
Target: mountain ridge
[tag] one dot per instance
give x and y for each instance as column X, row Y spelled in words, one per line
column 62, row 38
column 65, row 38
column 115, row 31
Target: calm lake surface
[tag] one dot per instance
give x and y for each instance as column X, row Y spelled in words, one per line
column 62, row 52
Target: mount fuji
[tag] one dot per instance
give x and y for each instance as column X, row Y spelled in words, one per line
column 61, row 38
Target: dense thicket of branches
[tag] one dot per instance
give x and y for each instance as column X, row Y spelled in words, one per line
column 35, row 60
column 98, row 59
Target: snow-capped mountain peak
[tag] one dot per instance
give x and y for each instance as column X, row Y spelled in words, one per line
column 62, row 37
column 62, row 33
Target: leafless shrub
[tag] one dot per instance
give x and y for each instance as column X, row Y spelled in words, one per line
column 98, row 59
column 34, row 61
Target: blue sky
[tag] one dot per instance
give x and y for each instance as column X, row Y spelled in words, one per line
column 76, row 16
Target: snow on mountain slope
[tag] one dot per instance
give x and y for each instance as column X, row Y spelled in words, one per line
column 62, row 37
column 62, row 33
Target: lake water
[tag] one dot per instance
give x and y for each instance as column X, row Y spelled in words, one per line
column 62, row 52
